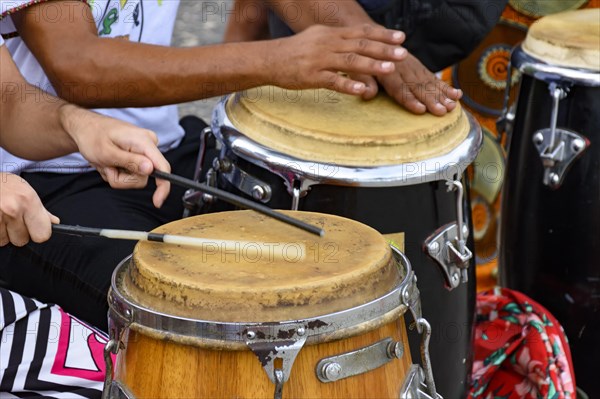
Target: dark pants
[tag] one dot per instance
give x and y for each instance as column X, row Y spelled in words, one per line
column 75, row 272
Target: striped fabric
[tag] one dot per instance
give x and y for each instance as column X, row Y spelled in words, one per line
column 44, row 352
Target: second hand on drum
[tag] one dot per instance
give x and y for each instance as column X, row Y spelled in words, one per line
column 248, row 247
column 238, row 201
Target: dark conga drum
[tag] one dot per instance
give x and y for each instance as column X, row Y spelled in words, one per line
column 550, row 228
column 265, row 310
column 315, row 150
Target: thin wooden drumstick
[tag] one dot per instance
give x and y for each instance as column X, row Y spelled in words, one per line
column 252, row 249
column 238, row 201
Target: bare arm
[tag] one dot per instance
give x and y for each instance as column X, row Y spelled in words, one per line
column 25, row 108
column 126, row 74
column 37, row 126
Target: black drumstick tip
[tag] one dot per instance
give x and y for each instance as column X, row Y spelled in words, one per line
column 238, row 201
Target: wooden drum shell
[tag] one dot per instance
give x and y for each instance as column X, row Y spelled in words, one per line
column 160, row 368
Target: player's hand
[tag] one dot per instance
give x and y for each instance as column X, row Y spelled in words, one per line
column 22, row 215
column 125, row 155
column 314, row 57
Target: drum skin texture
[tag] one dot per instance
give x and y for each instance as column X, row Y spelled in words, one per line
column 229, row 286
column 158, row 368
column 417, row 211
column 550, row 239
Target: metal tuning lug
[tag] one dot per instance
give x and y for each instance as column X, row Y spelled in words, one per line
column 194, row 201
column 504, row 124
column 243, row 181
column 119, row 322
column 558, row 148
column 419, row 382
column 448, row 245
column 276, row 348
column 359, row 361
column 411, row 297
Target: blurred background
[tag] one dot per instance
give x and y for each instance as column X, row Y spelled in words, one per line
column 200, row 23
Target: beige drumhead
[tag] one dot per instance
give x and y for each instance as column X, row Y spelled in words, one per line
column 348, row 267
column 570, row 39
column 328, row 127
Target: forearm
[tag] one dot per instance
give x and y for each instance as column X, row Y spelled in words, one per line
column 300, row 14
column 37, row 131
column 31, row 125
column 157, row 75
column 114, row 72
column 96, row 72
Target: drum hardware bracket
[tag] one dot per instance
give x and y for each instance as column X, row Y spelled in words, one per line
column 411, row 298
column 359, row 361
column 419, row 382
column 296, row 194
column 118, row 326
column 448, row 245
column 414, row 386
column 119, row 391
column 558, row 148
column 193, row 200
column 270, row 342
column 279, row 376
column 243, row 181
column 504, row 124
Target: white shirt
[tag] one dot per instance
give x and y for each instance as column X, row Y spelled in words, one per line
column 148, row 21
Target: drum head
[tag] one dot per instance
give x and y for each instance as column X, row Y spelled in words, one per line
column 328, row 127
column 276, row 273
column 570, row 39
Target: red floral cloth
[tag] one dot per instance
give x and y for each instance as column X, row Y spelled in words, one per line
column 521, row 351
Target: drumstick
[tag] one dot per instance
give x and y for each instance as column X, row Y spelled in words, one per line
column 238, row 201
column 248, row 248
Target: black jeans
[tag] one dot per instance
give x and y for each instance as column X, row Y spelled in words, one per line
column 75, row 272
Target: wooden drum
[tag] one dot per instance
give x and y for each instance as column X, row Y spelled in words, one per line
column 277, row 313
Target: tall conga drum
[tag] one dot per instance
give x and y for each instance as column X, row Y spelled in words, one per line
column 374, row 162
column 265, row 310
column 550, row 227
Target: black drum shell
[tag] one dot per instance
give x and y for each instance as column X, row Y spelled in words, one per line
column 550, row 238
column 417, row 210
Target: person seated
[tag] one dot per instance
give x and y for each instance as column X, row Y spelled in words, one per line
column 43, row 350
column 114, row 56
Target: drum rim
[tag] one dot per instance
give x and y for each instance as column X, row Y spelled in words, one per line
column 542, row 70
column 125, row 313
column 440, row 168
